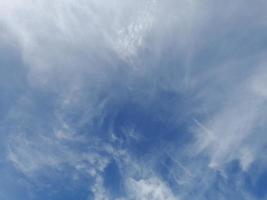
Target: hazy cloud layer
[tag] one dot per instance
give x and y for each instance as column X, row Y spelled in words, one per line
column 152, row 99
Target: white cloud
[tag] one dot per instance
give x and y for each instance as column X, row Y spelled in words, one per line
column 150, row 188
column 55, row 33
column 131, row 37
column 77, row 48
column 230, row 133
column 37, row 154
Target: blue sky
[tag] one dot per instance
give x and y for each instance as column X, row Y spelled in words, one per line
column 133, row 100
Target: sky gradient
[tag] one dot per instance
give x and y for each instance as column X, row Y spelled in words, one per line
column 133, row 100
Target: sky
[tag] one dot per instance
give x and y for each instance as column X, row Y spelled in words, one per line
column 133, row 100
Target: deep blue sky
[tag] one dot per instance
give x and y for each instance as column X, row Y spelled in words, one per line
column 133, row 100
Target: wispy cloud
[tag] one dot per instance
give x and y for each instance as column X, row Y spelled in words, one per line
column 172, row 93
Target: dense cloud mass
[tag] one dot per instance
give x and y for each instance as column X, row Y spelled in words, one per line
column 133, row 100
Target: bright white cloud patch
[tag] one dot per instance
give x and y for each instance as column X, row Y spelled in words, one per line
column 151, row 188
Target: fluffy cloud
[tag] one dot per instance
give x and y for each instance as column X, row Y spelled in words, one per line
column 150, row 188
